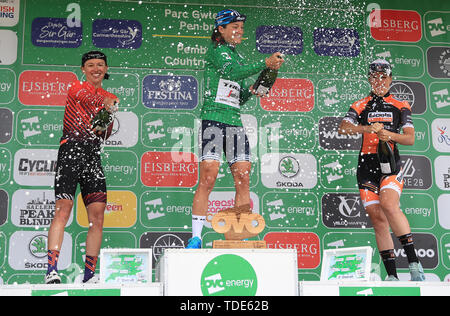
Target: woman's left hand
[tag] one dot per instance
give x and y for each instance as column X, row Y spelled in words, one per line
column 385, row 136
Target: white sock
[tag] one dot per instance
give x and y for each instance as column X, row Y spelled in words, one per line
column 197, row 225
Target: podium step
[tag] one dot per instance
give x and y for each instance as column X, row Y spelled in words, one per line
column 231, row 272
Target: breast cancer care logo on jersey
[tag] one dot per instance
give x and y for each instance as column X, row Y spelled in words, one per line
column 229, row 275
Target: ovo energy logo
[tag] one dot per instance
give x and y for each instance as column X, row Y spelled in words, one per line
column 229, row 275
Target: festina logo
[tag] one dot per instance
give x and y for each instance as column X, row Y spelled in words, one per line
column 170, row 95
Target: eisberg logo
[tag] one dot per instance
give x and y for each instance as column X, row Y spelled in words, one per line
column 397, row 25
column 290, row 95
column 47, row 88
column 55, row 32
column 286, row 39
column 170, row 92
column 125, row 34
column 336, row 42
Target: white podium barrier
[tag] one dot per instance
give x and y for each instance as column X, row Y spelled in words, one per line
column 151, row 289
column 228, row 272
column 373, row 288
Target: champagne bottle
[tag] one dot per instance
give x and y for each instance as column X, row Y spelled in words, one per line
column 101, row 120
column 266, row 80
column 387, row 158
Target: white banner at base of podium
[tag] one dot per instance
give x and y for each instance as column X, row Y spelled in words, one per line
column 151, row 289
column 369, row 288
column 230, row 272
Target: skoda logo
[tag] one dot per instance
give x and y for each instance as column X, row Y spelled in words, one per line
column 38, row 246
column 289, row 167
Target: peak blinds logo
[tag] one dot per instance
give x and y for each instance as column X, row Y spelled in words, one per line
column 396, row 25
column 437, row 26
column 229, row 275
column 442, row 172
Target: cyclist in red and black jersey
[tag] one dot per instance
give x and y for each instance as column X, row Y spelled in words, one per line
column 79, row 163
column 380, row 117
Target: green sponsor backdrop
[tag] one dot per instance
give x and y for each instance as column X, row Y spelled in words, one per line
column 156, row 52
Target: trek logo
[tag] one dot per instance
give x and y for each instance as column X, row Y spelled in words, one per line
column 385, row 117
column 397, row 25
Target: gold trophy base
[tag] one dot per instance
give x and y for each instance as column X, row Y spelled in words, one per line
column 239, row 244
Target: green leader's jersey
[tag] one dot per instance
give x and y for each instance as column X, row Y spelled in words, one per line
column 225, row 87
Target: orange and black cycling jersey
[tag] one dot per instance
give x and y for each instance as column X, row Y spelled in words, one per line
column 83, row 103
column 392, row 113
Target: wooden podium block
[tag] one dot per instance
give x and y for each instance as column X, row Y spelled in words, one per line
column 239, row 244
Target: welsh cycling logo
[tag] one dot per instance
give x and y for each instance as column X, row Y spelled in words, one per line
column 229, row 275
column 443, row 137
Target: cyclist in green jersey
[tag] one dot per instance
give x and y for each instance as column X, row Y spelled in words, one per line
column 222, row 130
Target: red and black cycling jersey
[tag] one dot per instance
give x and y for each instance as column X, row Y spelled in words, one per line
column 394, row 114
column 84, row 101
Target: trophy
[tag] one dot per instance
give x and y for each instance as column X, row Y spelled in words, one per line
column 236, row 224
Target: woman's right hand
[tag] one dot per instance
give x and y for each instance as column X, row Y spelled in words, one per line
column 111, row 105
column 275, row 61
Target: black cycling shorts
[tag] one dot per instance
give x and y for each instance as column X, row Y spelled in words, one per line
column 220, row 138
column 79, row 162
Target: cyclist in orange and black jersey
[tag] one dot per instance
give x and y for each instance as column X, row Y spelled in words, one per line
column 380, row 117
